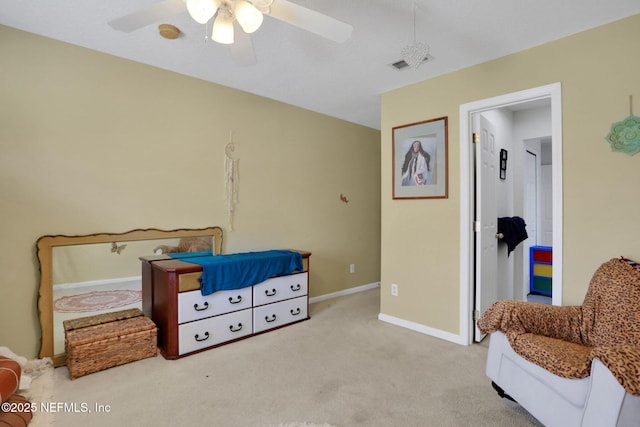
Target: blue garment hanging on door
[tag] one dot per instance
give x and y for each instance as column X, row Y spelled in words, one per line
column 514, row 231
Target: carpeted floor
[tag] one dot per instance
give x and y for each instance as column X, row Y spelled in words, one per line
column 343, row 368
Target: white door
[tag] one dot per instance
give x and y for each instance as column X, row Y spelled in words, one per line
column 547, row 205
column 530, row 198
column 531, row 212
column 486, row 211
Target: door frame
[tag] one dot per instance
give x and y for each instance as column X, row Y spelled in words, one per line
column 467, row 269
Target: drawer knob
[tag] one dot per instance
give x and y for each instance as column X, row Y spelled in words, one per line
column 237, row 301
column 270, row 319
column 204, row 306
column 296, row 288
column 206, row 337
column 296, row 311
column 270, row 294
column 236, row 329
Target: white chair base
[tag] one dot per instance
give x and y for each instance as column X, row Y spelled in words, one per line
column 596, row 401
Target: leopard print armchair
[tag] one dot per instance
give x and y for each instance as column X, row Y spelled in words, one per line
column 566, row 340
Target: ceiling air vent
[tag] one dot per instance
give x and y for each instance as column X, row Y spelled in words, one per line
column 402, row 64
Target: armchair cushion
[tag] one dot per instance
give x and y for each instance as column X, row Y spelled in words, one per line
column 566, row 359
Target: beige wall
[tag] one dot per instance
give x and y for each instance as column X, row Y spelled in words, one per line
column 420, row 238
column 92, row 143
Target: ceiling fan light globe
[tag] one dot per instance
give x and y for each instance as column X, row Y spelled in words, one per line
column 223, row 29
column 202, row 10
column 248, row 16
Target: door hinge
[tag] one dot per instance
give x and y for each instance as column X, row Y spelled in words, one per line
column 476, row 315
column 476, row 226
column 476, row 138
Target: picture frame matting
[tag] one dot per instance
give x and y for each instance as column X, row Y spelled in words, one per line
column 420, row 160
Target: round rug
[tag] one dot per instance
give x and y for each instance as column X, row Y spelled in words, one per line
column 96, row 301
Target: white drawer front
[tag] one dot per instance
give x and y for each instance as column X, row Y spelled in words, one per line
column 214, row 330
column 280, row 313
column 280, row 288
column 193, row 306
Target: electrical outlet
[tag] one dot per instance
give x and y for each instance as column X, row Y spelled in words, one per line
column 352, row 268
column 394, row 290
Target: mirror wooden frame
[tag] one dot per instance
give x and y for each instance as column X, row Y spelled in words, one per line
column 44, row 247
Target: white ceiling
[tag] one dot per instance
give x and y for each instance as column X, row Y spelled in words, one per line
column 299, row 68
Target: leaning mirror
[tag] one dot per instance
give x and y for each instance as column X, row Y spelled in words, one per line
column 93, row 274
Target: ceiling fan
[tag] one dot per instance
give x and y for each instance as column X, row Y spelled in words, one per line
column 234, row 20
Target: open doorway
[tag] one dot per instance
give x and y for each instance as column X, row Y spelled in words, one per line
column 471, row 286
column 537, row 197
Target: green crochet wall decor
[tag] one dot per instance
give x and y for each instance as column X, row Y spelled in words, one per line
column 625, row 135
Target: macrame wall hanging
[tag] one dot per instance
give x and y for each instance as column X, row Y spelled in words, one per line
column 625, row 135
column 231, row 178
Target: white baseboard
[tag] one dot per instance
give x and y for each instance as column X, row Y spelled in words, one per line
column 344, row 292
column 437, row 333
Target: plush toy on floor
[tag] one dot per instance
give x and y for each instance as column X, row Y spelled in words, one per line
column 31, row 369
column 15, row 410
column 25, row 380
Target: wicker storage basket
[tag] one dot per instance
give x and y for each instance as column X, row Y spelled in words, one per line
column 99, row 342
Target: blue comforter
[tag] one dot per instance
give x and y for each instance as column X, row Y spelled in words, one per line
column 234, row 271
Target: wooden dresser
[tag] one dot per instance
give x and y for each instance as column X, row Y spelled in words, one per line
column 189, row 322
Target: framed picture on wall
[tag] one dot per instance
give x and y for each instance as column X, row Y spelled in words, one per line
column 503, row 164
column 420, row 160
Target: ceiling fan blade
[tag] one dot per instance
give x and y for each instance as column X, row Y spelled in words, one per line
column 242, row 50
column 148, row 15
column 310, row 20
